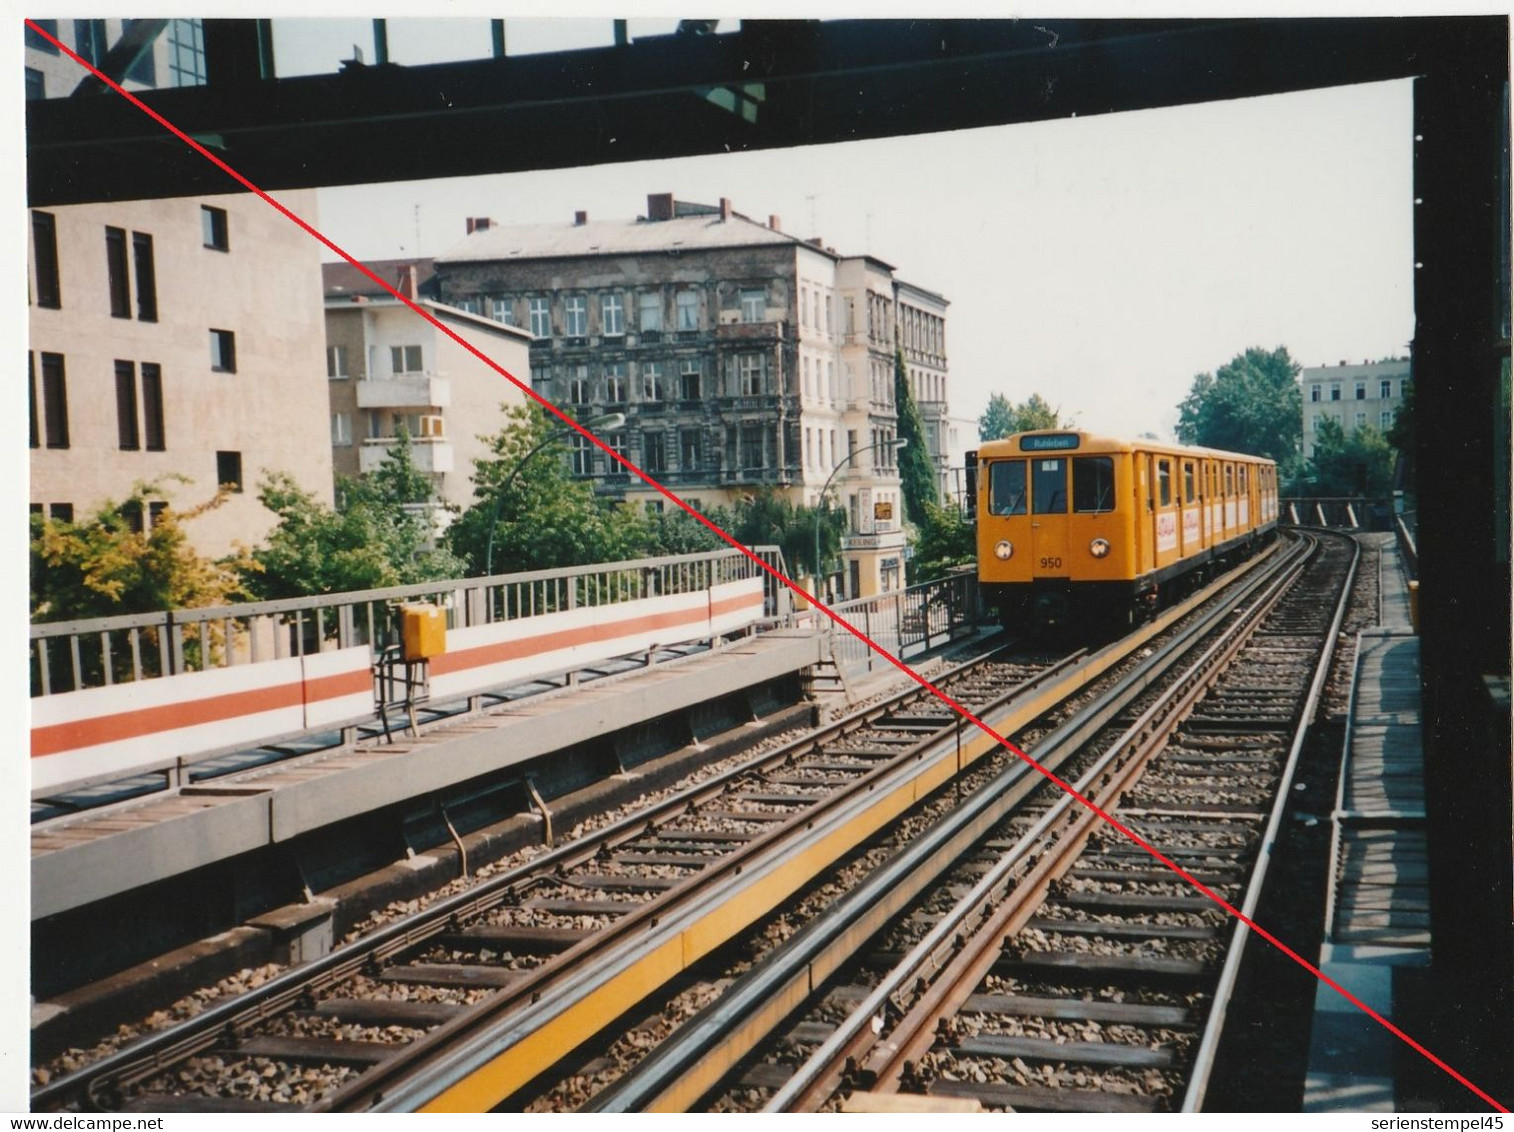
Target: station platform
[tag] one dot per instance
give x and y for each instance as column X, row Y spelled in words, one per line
column 1377, row 930
column 95, row 856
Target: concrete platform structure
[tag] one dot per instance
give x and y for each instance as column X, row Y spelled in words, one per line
column 80, row 862
column 1378, row 920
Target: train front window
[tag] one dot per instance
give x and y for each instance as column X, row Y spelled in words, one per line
column 1048, row 487
column 1006, row 487
column 1092, row 484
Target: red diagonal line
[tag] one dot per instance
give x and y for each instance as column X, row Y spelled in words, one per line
column 567, row 420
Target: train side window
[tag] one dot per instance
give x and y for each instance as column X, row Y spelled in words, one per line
column 1164, row 483
column 1092, row 484
column 1048, row 487
column 1006, row 487
column 1229, row 480
column 1189, row 486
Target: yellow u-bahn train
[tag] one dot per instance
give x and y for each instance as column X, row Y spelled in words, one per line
column 1087, row 530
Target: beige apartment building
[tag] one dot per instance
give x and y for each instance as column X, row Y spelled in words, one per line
column 390, row 370
column 1352, row 395
column 740, row 355
column 177, row 342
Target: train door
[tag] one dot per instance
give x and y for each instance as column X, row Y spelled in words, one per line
column 1048, row 526
column 1214, row 504
column 1229, row 486
column 1244, row 510
column 1192, row 538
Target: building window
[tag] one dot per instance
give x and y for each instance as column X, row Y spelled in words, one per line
column 213, row 230
column 31, row 399
column 153, row 432
column 617, row 442
column 653, row 459
column 578, row 386
column 36, row 84
column 1385, row 420
column 229, row 470
column 1335, row 391
column 341, row 430
column 690, row 449
column 186, row 53
column 828, row 323
column 1361, row 419
column 38, row 42
column 749, row 375
column 54, row 401
column 143, row 70
column 615, row 383
column 804, row 370
column 1403, row 387
column 754, row 306
column 1314, row 391
column 1361, row 390
column 223, row 351
column 470, row 306
column 688, row 379
column 89, row 41
column 651, row 381
column 155, row 512
column 45, row 253
column 502, row 310
column 541, row 316
column 116, row 269
column 688, row 310
column 582, row 458
column 405, row 359
column 649, row 312
column 576, row 316
column 751, row 440
column 147, row 277
column 127, row 432
column 336, row 362
column 1385, row 389
column 612, row 315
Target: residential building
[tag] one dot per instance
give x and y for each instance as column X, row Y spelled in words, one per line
column 1352, row 395
column 168, row 53
column 389, row 369
column 176, row 342
column 740, row 355
column 921, row 317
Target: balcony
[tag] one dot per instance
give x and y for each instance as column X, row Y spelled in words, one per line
column 431, row 454
column 414, row 391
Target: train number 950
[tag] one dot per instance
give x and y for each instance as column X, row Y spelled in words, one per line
column 1051, row 563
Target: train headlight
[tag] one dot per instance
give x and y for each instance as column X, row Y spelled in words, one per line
column 1003, row 550
column 1099, row 547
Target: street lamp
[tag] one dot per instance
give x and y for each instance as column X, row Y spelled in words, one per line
column 609, row 421
column 896, row 444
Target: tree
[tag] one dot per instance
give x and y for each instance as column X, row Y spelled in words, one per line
column 1401, row 434
column 381, row 533
column 946, row 538
column 1002, row 418
column 768, row 518
column 105, row 564
column 540, row 515
column 1359, row 464
column 1251, row 404
column 917, row 473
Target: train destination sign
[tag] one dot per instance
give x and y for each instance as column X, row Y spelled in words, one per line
column 1053, row 442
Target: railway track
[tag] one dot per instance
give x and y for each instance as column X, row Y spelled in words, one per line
column 1054, row 965
column 464, row 1004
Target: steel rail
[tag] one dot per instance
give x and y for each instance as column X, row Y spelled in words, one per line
column 1203, row 1061
column 683, row 1068
column 1133, row 752
column 154, row 1052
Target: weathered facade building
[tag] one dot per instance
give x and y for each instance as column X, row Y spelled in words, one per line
column 1353, row 396
column 741, row 357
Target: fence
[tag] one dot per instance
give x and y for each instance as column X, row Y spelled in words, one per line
column 907, row 622
column 1341, row 512
column 69, row 656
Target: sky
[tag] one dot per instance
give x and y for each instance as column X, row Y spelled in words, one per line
column 1101, row 262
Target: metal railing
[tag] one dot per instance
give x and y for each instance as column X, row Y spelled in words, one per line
column 73, row 655
column 1355, row 512
column 907, row 622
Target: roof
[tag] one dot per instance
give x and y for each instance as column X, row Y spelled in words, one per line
column 615, row 237
column 341, row 279
column 341, row 303
column 1088, row 442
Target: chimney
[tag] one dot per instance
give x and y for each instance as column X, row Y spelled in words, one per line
column 725, row 208
column 659, row 206
column 479, row 224
column 775, row 223
column 580, row 219
column 816, row 241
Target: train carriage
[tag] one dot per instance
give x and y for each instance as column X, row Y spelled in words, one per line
column 1080, row 528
